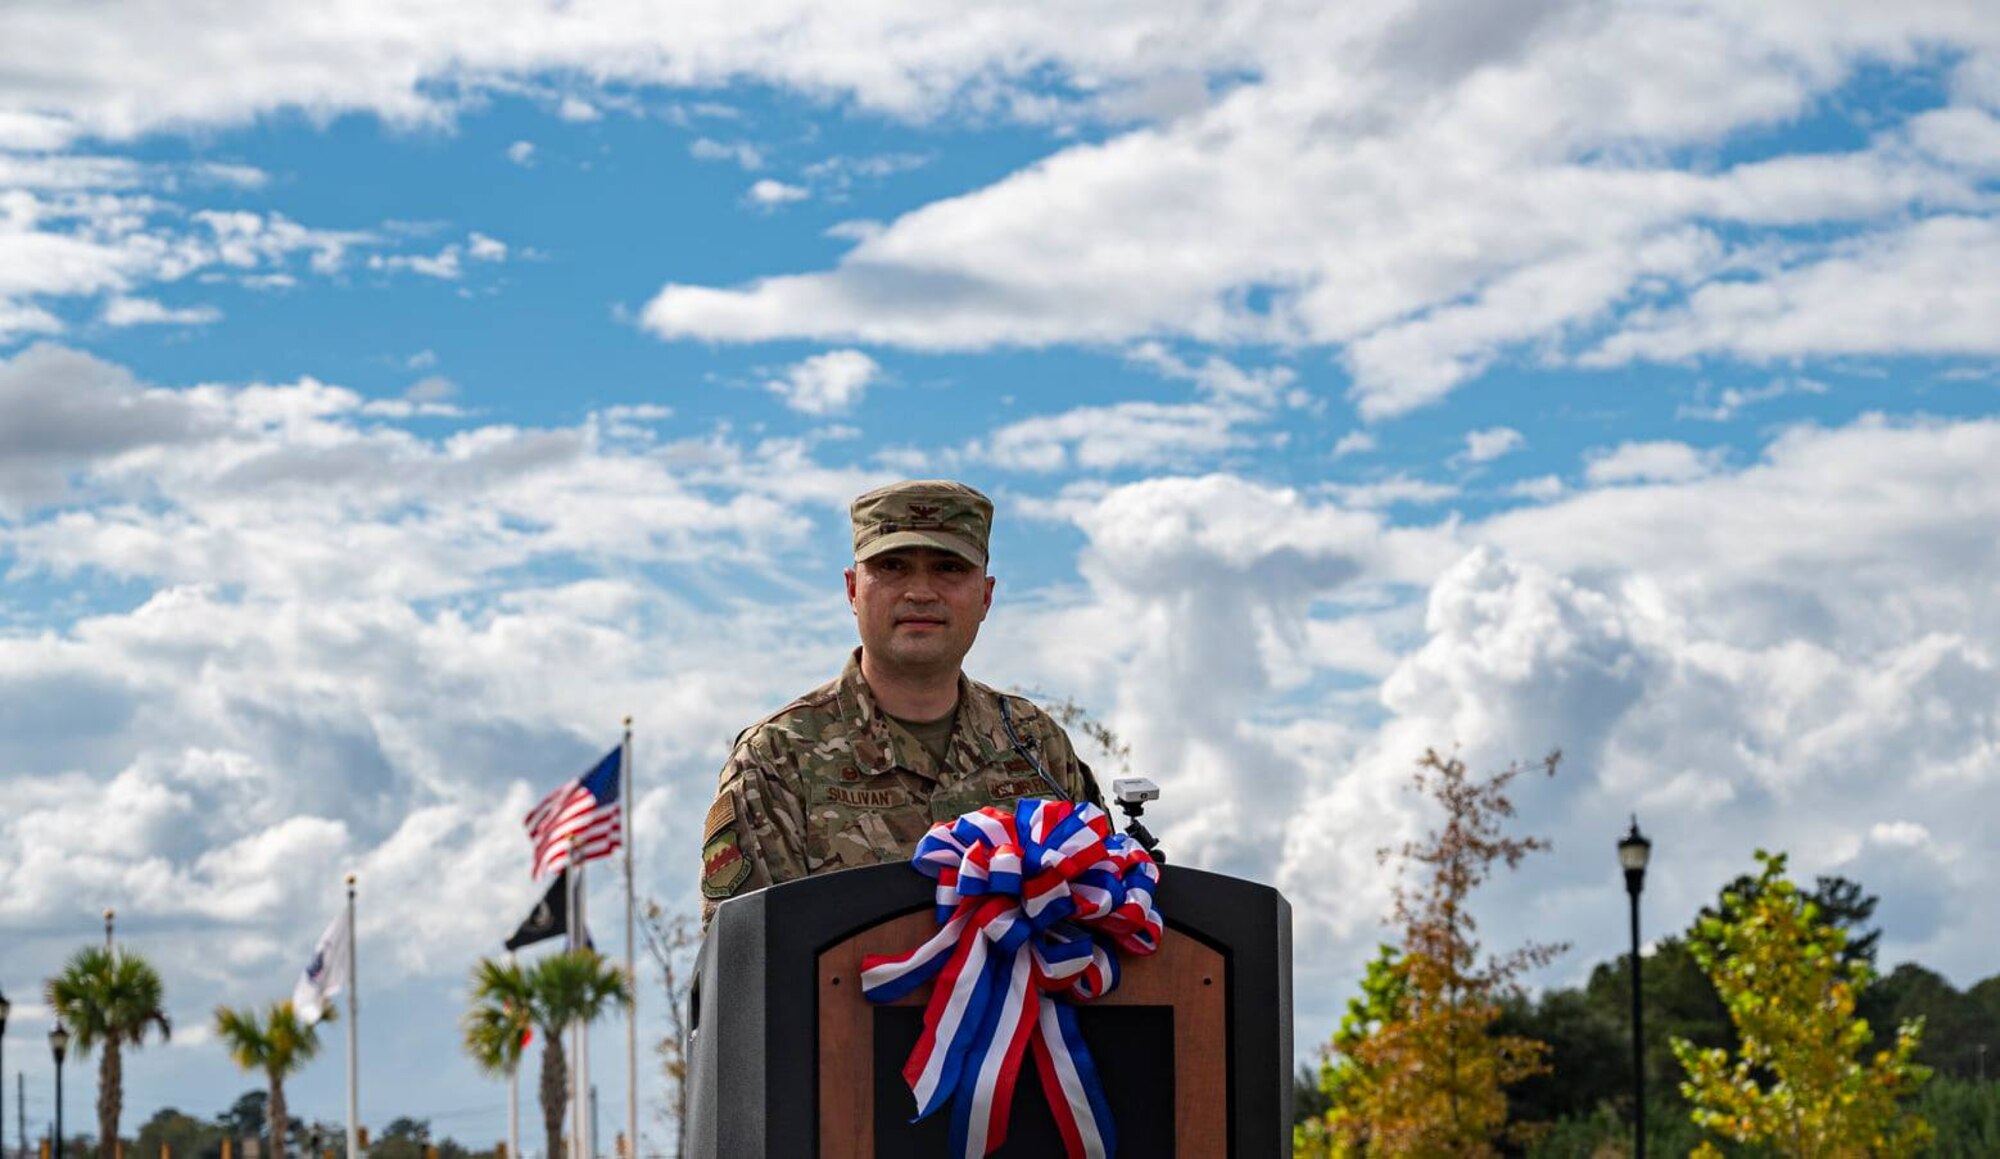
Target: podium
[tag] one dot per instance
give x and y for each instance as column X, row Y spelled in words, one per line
column 787, row 1059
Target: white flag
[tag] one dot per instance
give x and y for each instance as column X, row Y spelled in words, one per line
column 325, row 975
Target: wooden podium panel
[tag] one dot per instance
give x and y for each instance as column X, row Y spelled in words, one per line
column 1185, row 980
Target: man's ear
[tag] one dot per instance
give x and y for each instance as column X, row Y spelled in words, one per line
column 849, row 573
column 986, row 605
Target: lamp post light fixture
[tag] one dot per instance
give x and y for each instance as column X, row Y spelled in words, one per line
column 1634, row 850
column 59, row 1046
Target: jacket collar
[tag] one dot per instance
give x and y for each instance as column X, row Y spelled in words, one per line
column 882, row 747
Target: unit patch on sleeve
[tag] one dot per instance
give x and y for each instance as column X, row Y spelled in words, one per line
column 723, row 866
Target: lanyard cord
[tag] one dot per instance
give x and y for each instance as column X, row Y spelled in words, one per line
column 1021, row 747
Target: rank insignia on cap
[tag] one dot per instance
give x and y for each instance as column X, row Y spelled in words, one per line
column 723, row 867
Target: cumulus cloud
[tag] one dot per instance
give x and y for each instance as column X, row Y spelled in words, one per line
column 1354, row 443
column 1397, row 489
column 1488, row 445
column 828, row 383
column 1917, row 289
column 769, row 194
column 743, row 153
column 578, row 110
column 1761, row 656
column 147, row 312
column 1576, row 226
column 1564, row 229
column 1721, row 406
column 1661, row 460
column 522, row 153
column 370, row 647
column 65, row 411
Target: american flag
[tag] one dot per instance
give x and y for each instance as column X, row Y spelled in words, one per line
column 586, row 809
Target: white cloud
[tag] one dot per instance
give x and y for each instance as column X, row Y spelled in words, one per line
column 481, row 248
column 744, row 154
column 1930, row 287
column 1284, row 135
column 147, row 312
column 1659, row 461
column 443, row 265
column 521, row 153
column 34, row 131
column 1557, row 216
column 1729, row 401
column 578, row 110
column 1488, row 445
column 1119, row 436
column 62, row 411
column 770, row 194
column 830, row 383
column 1390, row 492
column 1542, row 488
column 370, row 647
column 1907, row 834
column 1354, row 443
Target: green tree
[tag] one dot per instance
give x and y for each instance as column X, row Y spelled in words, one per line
column 279, row 1045
column 1590, row 1055
column 1344, row 1075
column 1841, row 903
column 559, row 991
column 1955, row 1025
column 1679, row 1002
column 403, row 1138
column 1427, row 1074
column 246, row 1117
column 110, row 998
column 1795, row 1082
column 1965, row 1115
column 181, row 1135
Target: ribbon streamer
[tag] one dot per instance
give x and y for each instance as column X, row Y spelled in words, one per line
column 1033, row 905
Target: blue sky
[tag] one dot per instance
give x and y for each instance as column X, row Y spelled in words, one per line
column 389, row 403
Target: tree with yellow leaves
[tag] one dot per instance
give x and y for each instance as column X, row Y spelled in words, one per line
column 1797, row 1083
column 1416, row 1069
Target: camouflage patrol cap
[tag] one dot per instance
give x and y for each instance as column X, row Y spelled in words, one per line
column 923, row 513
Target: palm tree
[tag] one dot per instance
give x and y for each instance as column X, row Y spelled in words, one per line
column 111, row 997
column 558, row 992
column 279, row 1045
column 497, row 1027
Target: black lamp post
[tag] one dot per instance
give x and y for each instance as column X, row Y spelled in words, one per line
column 1633, row 852
column 59, row 1046
column 5, row 1006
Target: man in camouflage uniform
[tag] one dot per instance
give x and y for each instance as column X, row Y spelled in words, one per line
column 856, row 771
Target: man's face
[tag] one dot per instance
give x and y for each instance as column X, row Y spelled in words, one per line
column 918, row 608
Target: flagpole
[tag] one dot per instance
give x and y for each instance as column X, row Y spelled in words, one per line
column 353, row 1035
column 513, row 1088
column 631, row 805
column 571, row 871
column 587, row 1146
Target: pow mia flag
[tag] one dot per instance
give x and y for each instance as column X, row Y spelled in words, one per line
column 549, row 919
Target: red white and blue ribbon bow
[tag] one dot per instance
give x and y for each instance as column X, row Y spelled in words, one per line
column 1034, row 904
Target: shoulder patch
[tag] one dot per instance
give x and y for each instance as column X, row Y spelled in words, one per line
column 721, row 815
column 723, row 867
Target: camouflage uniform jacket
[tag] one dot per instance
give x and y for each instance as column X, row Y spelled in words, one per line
column 829, row 782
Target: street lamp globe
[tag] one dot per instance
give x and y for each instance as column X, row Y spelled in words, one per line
column 1634, row 850
column 59, row 1042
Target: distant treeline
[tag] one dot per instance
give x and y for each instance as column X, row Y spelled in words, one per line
column 188, row 1136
